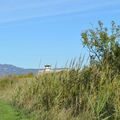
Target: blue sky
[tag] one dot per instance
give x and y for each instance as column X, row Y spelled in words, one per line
column 49, row 30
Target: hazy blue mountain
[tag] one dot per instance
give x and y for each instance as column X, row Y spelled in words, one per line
column 6, row 69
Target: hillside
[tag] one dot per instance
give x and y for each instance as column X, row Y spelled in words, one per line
column 6, row 69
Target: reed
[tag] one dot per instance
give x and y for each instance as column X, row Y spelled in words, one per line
column 76, row 93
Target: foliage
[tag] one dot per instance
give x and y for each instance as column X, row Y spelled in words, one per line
column 104, row 44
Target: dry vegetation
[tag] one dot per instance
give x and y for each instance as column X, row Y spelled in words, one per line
column 84, row 94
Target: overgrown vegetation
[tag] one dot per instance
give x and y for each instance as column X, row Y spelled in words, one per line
column 79, row 93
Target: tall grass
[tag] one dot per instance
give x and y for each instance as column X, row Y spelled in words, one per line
column 10, row 82
column 78, row 93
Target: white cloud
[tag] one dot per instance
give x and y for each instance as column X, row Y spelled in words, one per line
column 27, row 9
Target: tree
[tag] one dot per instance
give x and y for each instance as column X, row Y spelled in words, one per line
column 103, row 44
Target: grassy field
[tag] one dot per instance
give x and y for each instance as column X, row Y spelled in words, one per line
column 7, row 112
column 76, row 94
column 7, row 87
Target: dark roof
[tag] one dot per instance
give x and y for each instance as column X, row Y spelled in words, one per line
column 47, row 65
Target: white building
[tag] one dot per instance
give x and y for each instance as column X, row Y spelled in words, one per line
column 47, row 68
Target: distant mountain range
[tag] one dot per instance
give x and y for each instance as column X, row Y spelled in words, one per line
column 6, row 69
